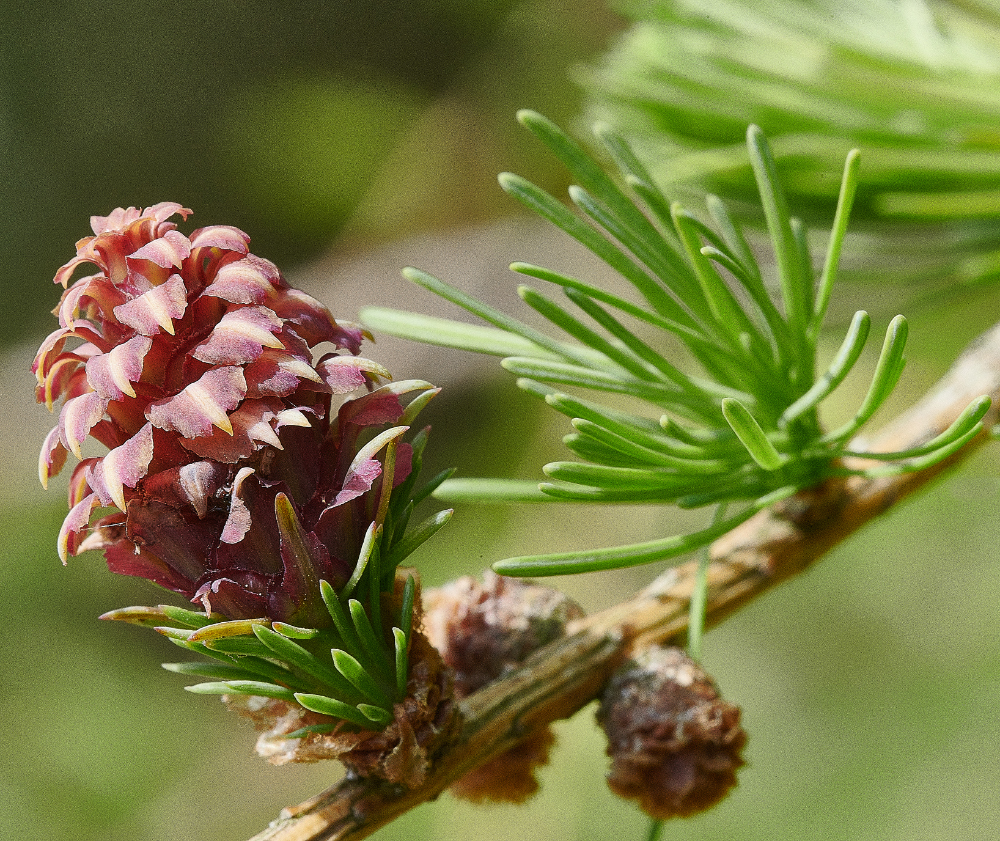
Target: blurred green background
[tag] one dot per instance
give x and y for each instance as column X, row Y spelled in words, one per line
column 870, row 685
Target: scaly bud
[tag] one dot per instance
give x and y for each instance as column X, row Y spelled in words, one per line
column 484, row 631
column 674, row 743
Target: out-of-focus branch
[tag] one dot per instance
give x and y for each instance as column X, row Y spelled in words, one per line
column 564, row 676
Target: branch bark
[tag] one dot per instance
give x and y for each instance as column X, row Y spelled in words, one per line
column 563, row 677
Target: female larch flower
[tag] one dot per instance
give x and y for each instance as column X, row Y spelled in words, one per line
column 191, row 360
column 233, row 478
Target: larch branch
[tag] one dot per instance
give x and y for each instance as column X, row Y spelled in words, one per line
column 564, row 676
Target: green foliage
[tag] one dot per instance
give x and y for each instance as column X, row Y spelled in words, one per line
column 913, row 83
column 350, row 672
column 743, row 429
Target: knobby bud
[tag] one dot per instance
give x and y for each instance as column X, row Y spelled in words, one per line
column 674, row 743
column 483, row 631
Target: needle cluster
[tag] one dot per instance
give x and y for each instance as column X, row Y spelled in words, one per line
column 734, row 425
